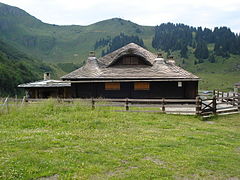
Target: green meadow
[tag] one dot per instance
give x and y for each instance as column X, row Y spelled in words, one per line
column 71, row 141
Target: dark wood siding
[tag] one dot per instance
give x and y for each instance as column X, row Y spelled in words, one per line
column 83, row 90
column 122, row 93
column 191, row 89
column 157, row 90
column 49, row 92
column 166, row 90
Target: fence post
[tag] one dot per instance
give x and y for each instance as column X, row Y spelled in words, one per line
column 222, row 96
column 214, row 92
column 23, row 100
column 2, row 109
column 214, row 105
column 233, row 101
column 126, row 106
column 15, row 100
column 7, row 105
column 93, row 104
column 198, row 105
column 163, row 105
column 227, row 97
column 238, row 101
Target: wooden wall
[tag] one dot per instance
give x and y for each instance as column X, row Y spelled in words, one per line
column 50, row 92
column 157, row 90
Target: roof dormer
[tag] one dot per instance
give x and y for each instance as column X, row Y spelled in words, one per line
column 130, row 56
column 129, row 59
column 130, row 50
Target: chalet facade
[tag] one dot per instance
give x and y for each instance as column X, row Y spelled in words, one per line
column 132, row 72
column 129, row 72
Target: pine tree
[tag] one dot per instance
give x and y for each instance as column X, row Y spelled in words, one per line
column 184, row 51
column 122, row 40
column 201, row 51
column 194, row 44
column 211, row 58
column 168, row 53
column 172, row 36
column 219, row 51
column 200, row 61
column 103, row 53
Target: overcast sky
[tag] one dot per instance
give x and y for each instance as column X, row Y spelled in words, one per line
column 206, row 13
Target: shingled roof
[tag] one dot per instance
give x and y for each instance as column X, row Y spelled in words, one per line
column 105, row 68
column 237, row 84
column 45, row 83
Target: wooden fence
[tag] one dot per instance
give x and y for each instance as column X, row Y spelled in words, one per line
column 216, row 104
column 221, row 103
column 7, row 103
column 176, row 106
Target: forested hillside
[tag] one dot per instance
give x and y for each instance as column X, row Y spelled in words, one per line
column 171, row 37
column 16, row 67
column 117, row 42
column 211, row 54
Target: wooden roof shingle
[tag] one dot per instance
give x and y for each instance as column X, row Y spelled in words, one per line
column 45, row 83
column 103, row 68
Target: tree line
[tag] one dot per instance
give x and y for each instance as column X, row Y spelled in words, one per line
column 117, row 42
column 171, row 37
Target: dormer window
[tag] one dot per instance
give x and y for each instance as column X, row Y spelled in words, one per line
column 130, row 60
column 134, row 60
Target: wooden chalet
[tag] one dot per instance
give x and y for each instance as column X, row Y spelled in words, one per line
column 131, row 72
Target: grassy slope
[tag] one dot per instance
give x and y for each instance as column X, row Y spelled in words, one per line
column 77, row 143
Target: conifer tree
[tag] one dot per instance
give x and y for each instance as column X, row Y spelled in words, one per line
column 184, row 51
column 201, row 51
column 211, row 58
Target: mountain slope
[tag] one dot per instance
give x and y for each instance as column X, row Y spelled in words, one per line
column 61, row 43
column 16, row 68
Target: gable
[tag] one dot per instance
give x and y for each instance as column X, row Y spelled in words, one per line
column 129, row 59
column 128, row 50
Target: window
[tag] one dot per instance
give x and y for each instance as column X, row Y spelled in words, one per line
column 130, row 60
column 134, row 60
column 179, row 84
column 141, row 86
column 112, row 86
column 127, row 60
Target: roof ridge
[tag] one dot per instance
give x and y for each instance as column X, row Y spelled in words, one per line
column 130, row 48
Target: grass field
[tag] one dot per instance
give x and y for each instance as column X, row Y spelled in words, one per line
column 74, row 142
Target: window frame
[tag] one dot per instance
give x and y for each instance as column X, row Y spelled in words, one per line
column 141, row 86
column 112, row 86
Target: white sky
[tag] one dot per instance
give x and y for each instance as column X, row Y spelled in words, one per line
column 206, row 13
